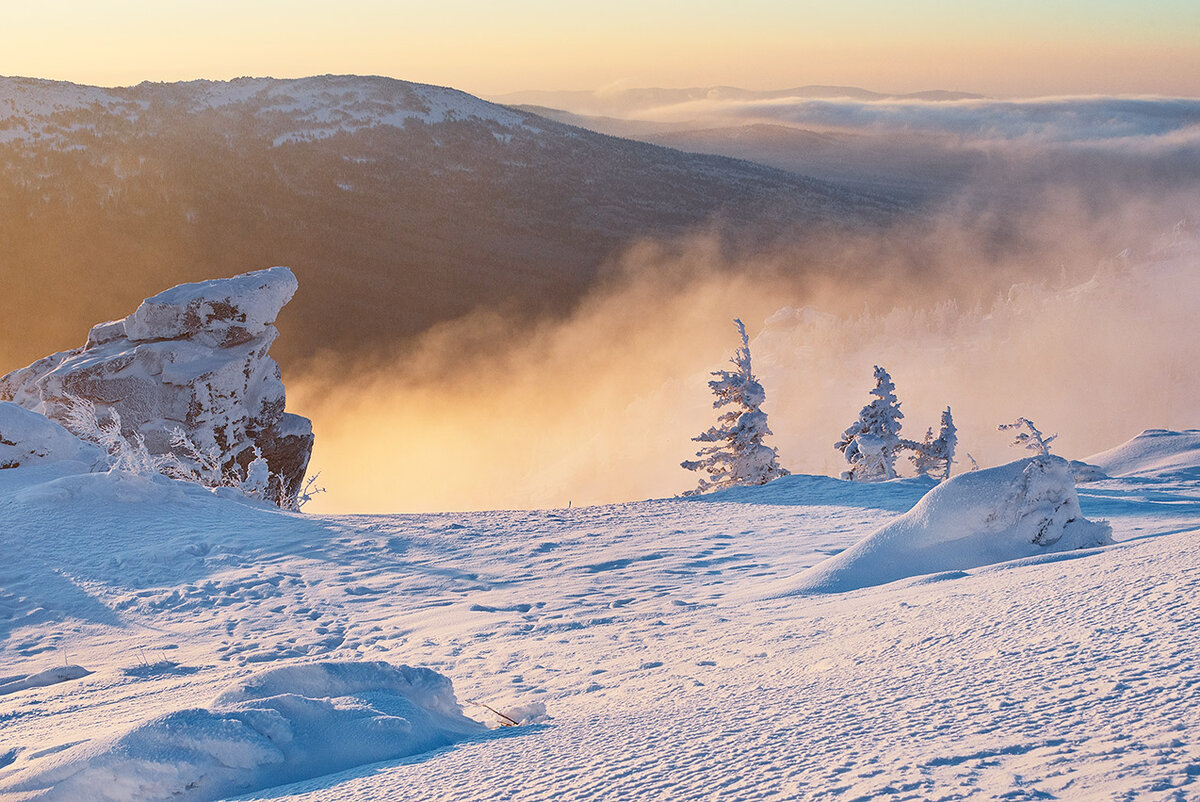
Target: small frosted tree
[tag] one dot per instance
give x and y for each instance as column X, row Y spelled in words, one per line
column 922, row 458
column 934, row 455
column 735, row 453
column 872, row 443
column 1028, row 436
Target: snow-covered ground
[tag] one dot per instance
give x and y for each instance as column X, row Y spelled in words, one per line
column 652, row 635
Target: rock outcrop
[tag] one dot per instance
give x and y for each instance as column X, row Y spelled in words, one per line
column 193, row 358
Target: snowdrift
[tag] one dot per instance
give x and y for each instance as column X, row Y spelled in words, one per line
column 1022, row 509
column 1159, row 453
column 284, row 725
column 28, row 438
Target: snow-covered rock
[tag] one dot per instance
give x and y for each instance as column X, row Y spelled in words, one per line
column 284, row 725
column 27, row 437
column 193, row 358
column 219, row 314
column 1026, row 508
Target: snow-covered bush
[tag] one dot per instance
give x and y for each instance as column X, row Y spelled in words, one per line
column 736, row 454
column 296, row 499
column 126, row 454
column 187, row 462
column 933, row 456
column 1028, row 436
column 872, row 443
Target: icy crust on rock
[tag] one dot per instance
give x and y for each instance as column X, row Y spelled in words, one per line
column 1023, row 509
column 193, row 358
column 27, row 437
column 285, row 725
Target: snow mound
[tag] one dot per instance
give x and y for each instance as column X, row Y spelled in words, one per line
column 27, row 437
column 1153, row 453
column 282, row 726
column 1022, row 509
column 51, row 676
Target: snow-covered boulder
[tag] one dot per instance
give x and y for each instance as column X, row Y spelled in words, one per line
column 285, row 725
column 219, row 314
column 193, row 358
column 27, row 437
column 1022, row 509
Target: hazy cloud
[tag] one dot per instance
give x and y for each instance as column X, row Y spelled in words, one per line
column 1048, row 120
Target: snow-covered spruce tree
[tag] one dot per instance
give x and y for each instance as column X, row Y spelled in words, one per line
column 934, row 455
column 1028, row 436
column 872, row 443
column 923, row 459
column 736, row 454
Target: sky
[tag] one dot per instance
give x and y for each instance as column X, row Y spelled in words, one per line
column 1016, row 48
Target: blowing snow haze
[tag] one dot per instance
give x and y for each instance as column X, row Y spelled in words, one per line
column 470, row 272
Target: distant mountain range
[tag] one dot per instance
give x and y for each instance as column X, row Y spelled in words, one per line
column 398, row 205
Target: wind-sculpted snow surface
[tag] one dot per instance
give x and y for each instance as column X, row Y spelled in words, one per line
column 1153, row 453
column 193, row 359
column 1026, row 508
column 281, row 726
column 639, row 629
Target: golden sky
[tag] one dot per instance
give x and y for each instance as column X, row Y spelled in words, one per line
column 493, row 46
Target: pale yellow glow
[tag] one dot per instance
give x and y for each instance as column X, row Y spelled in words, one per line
column 488, row 47
column 601, row 407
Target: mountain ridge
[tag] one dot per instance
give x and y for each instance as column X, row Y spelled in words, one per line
column 399, row 205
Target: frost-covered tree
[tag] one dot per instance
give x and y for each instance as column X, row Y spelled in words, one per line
column 922, row 458
column 735, row 453
column 1028, row 436
column 872, row 443
column 187, row 462
column 934, row 455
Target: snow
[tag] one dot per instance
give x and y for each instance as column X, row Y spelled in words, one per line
column 310, row 108
column 27, row 437
column 636, row 636
column 50, row 676
column 1154, row 452
column 283, row 725
column 251, row 301
column 1023, row 509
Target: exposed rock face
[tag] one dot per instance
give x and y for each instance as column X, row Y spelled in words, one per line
column 192, row 358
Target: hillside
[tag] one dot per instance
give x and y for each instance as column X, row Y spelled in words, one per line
column 642, row 644
column 397, row 204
